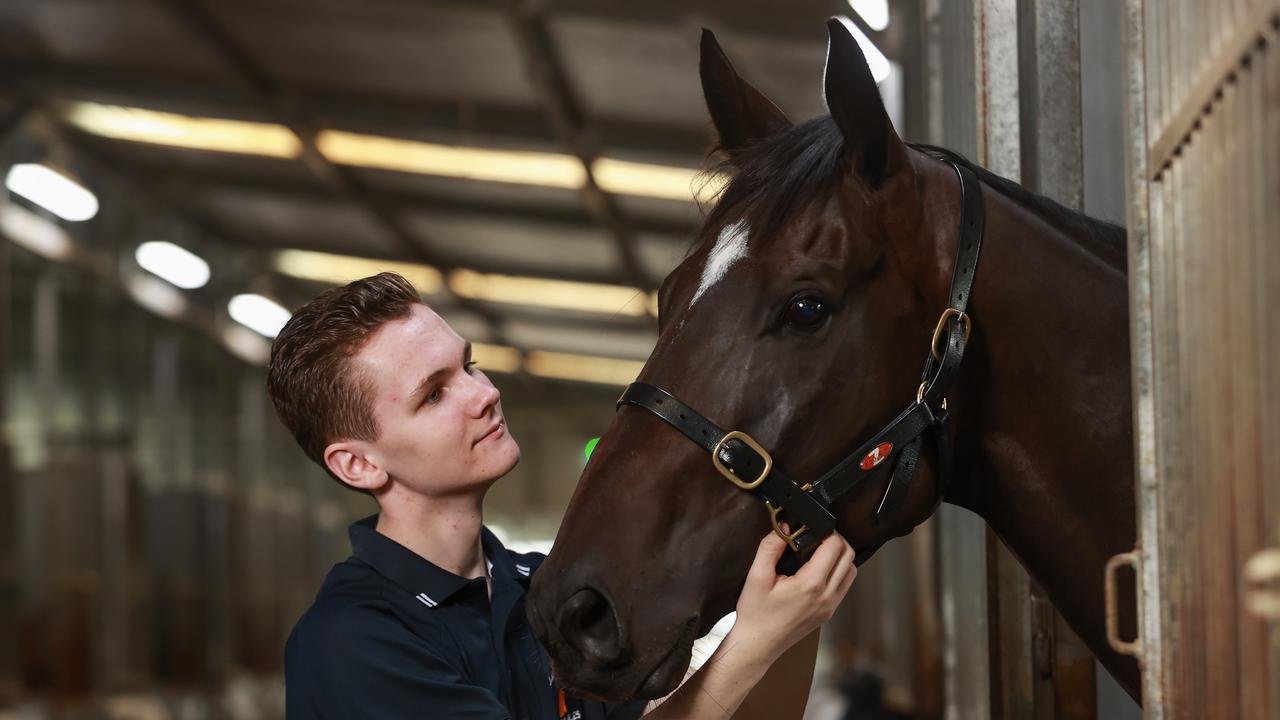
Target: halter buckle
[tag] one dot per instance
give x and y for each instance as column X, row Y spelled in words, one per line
column 728, row 473
column 920, row 394
column 942, row 323
column 789, row 539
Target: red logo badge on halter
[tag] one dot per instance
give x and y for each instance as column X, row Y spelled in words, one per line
column 877, row 455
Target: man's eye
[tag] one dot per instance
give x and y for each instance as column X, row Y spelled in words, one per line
column 433, row 397
column 470, row 365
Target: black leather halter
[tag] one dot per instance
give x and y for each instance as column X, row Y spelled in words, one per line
column 746, row 464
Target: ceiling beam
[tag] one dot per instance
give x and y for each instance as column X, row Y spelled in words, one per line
column 569, row 123
column 179, row 194
column 340, row 180
column 149, row 194
column 516, row 124
column 196, row 180
column 791, row 21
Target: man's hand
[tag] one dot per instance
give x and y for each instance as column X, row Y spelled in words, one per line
column 775, row 611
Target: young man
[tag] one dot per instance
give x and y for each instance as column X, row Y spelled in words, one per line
column 426, row 619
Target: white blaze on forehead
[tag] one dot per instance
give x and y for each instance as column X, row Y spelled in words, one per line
column 730, row 247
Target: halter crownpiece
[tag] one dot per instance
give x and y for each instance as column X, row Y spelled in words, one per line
column 746, row 464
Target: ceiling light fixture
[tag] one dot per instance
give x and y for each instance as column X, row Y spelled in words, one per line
column 496, row 358
column 342, row 269
column 158, row 297
column 875, row 13
column 583, row 368
column 196, row 133
column 550, row 293
column 876, row 61
column 470, row 163
column 52, row 191
column 36, row 234
column 546, row 169
column 173, row 263
column 260, row 314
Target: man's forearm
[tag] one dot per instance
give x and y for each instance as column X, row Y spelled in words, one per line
column 720, row 686
column 783, row 692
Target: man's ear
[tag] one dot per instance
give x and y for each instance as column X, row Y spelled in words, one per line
column 351, row 462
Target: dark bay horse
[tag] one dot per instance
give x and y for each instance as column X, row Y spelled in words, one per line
column 803, row 317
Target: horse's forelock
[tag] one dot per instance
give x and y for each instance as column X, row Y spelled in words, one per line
column 774, row 179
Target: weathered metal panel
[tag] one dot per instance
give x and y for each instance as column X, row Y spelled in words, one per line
column 963, row 579
column 1204, row 288
column 9, row 588
column 1142, row 353
column 957, row 52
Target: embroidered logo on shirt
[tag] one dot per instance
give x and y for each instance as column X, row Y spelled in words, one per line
column 422, row 598
column 523, row 570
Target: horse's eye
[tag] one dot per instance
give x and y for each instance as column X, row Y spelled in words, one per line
column 806, row 313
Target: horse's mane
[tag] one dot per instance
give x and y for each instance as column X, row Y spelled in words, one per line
column 1109, row 236
column 782, row 174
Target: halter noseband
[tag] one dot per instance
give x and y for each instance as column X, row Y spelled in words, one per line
column 743, row 462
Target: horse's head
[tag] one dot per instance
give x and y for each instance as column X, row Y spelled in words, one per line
column 802, row 318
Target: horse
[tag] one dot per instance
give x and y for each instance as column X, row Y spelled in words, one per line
column 813, row 287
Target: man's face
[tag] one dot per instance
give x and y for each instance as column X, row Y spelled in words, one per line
column 440, row 419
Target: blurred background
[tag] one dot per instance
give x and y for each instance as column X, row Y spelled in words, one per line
column 179, row 174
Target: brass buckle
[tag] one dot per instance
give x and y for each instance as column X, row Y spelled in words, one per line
column 789, row 539
column 942, row 323
column 920, row 394
column 729, row 474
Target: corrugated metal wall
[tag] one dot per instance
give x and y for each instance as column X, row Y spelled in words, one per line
column 1031, row 89
column 1205, row 209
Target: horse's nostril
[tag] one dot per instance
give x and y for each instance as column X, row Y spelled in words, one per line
column 588, row 623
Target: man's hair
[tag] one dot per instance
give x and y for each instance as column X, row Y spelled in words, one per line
column 316, row 393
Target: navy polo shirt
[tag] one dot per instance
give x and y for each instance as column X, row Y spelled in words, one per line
column 390, row 635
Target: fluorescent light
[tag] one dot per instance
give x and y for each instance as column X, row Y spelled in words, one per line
column 875, row 13
column 876, row 60
column 545, row 292
column 495, row 358
column 511, row 166
column 175, row 264
column 34, row 233
column 518, row 290
column 52, row 191
column 342, row 269
column 623, row 177
column 547, row 169
column 156, row 296
column 246, row 344
column 197, row 133
column 584, row 368
column 260, row 314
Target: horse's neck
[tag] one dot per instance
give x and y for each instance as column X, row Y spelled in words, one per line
column 1041, row 409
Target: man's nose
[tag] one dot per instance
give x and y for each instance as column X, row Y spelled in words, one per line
column 486, row 396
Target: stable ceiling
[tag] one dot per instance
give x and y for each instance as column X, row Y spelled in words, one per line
column 587, row 78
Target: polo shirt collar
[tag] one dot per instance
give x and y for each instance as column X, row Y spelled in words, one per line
column 427, row 581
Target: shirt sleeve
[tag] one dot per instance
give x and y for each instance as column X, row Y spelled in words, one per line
column 366, row 664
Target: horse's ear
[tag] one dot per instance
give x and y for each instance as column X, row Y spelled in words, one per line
column 854, row 102
column 741, row 114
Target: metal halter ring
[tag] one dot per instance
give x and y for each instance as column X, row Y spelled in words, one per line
column 728, row 473
column 790, row 539
column 920, row 394
column 942, row 323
